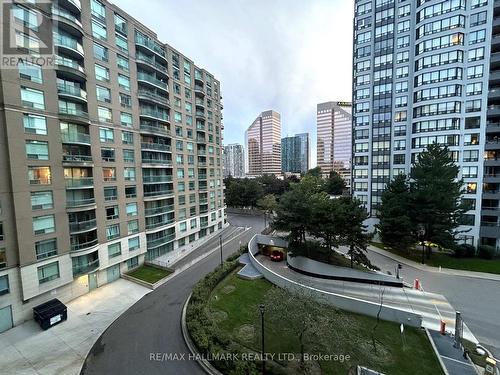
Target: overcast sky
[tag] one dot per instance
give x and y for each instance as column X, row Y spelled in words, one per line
column 286, row 55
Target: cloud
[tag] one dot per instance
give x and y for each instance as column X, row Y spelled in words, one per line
column 286, row 55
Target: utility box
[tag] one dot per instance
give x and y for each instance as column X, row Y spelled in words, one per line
column 50, row 313
column 491, row 366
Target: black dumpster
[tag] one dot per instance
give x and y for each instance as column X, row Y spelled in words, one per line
column 50, row 313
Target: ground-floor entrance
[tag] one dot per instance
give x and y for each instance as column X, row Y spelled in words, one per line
column 92, row 281
column 113, row 273
column 5, row 318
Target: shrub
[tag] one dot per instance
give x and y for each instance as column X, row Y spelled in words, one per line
column 465, row 251
column 486, row 252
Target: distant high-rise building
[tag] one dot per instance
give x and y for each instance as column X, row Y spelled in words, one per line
column 263, row 144
column 334, row 138
column 295, row 153
column 234, row 160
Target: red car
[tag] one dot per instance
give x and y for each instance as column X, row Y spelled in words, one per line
column 277, row 256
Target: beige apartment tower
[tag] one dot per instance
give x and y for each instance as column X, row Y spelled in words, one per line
column 111, row 156
column 263, row 145
column 334, row 138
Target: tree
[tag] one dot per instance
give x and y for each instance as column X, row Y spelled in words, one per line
column 335, row 184
column 352, row 231
column 436, row 204
column 268, row 204
column 314, row 172
column 395, row 225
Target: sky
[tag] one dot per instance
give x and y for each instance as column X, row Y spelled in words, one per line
column 286, row 55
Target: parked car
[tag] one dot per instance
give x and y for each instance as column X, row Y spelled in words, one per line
column 277, row 256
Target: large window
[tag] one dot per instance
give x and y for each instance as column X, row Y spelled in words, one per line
column 122, row 62
column 44, row 224
column 124, row 82
column 39, row 175
column 30, row 72
column 48, row 272
column 131, row 209
column 42, row 200
column 101, row 73
column 38, row 150
column 106, row 135
column 101, row 52
column 99, row 31
column 104, row 114
column 98, row 10
column 129, row 174
column 32, row 98
column 114, row 250
column 103, row 94
column 126, row 119
column 112, row 231
column 121, row 43
column 120, row 24
column 134, row 243
column 4, row 284
column 34, row 124
column 45, row 249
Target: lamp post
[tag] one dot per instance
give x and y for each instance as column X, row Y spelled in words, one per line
column 262, row 309
column 421, row 233
column 220, row 245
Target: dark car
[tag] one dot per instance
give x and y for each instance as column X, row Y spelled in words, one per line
column 277, row 256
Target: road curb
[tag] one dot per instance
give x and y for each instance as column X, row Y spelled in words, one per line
column 204, row 364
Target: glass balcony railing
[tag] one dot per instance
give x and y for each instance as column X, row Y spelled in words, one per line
column 63, row 61
column 72, row 90
column 81, row 226
column 159, row 210
column 157, row 161
column 146, row 42
column 160, row 115
column 155, row 146
column 63, row 13
column 71, row 203
column 149, row 60
column 155, row 128
column 75, row 158
column 75, row 138
column 70, row 43
column 157, row 193
column 73, row 112
column 153, row 80
column 88, row 267
column 160, row 241
column 204, row 224
column 78, row 246
column 152, row 179
column 153, row 96
column 79, row 182
column 158, row 224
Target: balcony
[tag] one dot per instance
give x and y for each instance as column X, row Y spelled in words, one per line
column 155, row 129
column 159, row 224
column 150, row 45
column 155, row 114
column 74, row 203
column 80, row 246
column 74, row 114
column 158, row 193
column 77, row 159
column 82, row 226
column 155, row 146
column 77, row 183
column 160, row 241
column 202, row 176
column 159, row 210
column 78, row 138
column 204, row 224
column 153, row 97
column 81, row 269
column 66, row 21
column 156, row 179
column 144, row 77
column 166, row 162
column 149, row 61
column 69, row 46
column 70, row 69
column 198, row 90
column 203, row 200
column 74, row 5
column 72, row 92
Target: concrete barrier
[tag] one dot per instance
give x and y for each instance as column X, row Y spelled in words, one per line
column 342, row 302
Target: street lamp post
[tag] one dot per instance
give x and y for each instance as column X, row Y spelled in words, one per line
column 421, row 233
column 220, row 244
column 262, row 309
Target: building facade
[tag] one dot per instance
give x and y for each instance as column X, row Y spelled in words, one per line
column 421, row 72
column 295, row 153
column 234, row 161
column 263, row 145
column 108, row 157
column 334, row 138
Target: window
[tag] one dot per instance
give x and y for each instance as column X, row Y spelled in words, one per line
column 125, row 100
column 478, row 18
column 128, row 156
column 4, row 284
column 472, row 122
column 1, row 232
column 38, row 150
column 133, row 226
column 469, row 172
column 3, row 258
column 101, row 73
column 109, row 173
column 101, row 53
column 471, row 139
column 45, row 249
column 34, row 124
column 31, row 72
column 192, row 223
column 471, row 155
column 127, row 138
column 124, row 82
column 42, row 200
column 120, row 24
column 32, row 98
column 130, row 192
column 114, row 250
column 473, row 105
column 97, row 9
column 134, row 243
column 133, row 262
column 122, row 63
column 44, row 224
column 48, row 272
column 106, row 135
column 39, row 175
column 121, row 43
column 110, row 193
column 103, row 94
column 131, row 209
column 476, row 54
column 99, row 30
column 477, row 36
column 475, row 71
column 104, row 114
column 108, row 154
column 112, row 231
column 112, row 213
column 129, row 174
column 126, row 119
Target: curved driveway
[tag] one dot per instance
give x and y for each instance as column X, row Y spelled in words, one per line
column 140, row 339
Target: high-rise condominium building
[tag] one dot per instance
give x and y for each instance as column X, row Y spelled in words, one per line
column 295, row 153
column 334, row 138
column 421, row 73
column 108, row 157
column 263, row 145
column 234, row 160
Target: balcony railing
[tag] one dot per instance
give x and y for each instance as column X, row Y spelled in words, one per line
column 62, row 13
column 151, row 61
column 154, row 113
column 152, row 179
column 159, row 210
column 158, row 193
column 155, row 146
column 77, row 158
column 85, row 268
column 82, row 225
column 68, row 43
column 73, row 112
column 75, row 138
column 160, row 241
column 70, row 203
column 159, row 224
column 157, row 161
column 153, row 96
column 78, row 246
column 72, row 90
column 139, row 39
column 155, row 129
column 204, row 224
column 153, row 80
column 79, row 182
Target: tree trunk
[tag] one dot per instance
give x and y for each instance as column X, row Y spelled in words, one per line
column 351, row 252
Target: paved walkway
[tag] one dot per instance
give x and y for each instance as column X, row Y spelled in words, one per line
column 451, row 357
column 433, row 307
column 27, row 349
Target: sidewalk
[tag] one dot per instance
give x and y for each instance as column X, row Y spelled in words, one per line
column 27, row 349
column 424, row 267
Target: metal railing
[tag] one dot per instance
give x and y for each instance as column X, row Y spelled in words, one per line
column 79, row 202
column 159, row 210
column 79, row 182
column 78, row 246
column 82, row 225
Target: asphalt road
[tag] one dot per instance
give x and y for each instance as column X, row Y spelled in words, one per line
column 477, row 299
column 135, row 342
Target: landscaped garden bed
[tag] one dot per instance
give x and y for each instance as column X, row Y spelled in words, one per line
column 149, row 274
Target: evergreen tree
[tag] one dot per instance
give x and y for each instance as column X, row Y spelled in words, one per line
column 395, row 225
column 335, row 184
column 436, row 192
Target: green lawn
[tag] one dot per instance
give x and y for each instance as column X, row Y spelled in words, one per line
column 149, row 274
column 234, row 307
column 448, row 261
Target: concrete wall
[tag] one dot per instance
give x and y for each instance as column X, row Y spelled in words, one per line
column 342, row 302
